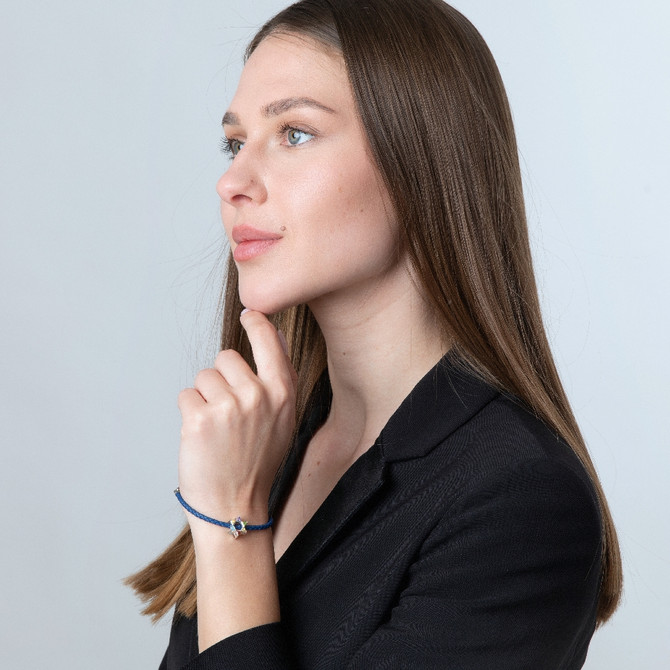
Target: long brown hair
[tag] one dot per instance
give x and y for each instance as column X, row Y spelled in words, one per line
column 440, row 130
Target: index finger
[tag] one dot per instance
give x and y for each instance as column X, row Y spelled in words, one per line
column 272, row 363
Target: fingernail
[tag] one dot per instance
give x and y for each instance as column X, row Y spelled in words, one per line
column 243, row 312
column 282, row 340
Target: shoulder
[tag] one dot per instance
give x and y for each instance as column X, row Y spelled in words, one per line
column 505, row 444
column 503, row 451
column 514, row 499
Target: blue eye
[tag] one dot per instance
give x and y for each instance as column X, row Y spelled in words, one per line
column 296, row 137
column 231, row 147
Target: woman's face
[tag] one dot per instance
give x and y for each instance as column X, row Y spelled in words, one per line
column 302, row 203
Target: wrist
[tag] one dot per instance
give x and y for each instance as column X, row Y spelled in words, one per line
column 238, row 525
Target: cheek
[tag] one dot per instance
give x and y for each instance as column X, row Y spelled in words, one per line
column 350, row 192
column 364, row 210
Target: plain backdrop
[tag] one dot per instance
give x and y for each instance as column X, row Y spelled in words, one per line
column 110, row 252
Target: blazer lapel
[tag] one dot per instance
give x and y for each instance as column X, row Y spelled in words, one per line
column 355, row 488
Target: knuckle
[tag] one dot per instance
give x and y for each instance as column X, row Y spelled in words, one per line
column 283, row 397
column 254, row 397
column 224, row 357
column 227, row 406
column 187, row 398
column 199, row 422
column 204, row 376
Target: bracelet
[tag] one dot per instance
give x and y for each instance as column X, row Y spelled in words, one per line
column 236, row 527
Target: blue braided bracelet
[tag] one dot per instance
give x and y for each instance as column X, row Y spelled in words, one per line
column 236, row 527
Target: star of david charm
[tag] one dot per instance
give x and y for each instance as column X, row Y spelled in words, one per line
column 237, row 527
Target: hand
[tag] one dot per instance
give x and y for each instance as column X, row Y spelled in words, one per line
column 236, row 427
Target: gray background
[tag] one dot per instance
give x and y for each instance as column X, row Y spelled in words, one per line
column 109, row 268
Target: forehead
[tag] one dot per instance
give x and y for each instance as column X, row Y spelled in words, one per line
column 292, row 66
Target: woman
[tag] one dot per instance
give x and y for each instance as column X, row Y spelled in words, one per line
column 436, row 505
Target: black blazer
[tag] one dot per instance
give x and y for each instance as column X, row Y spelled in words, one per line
column 466, row 537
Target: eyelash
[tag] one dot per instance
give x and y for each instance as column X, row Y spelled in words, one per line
column 226, row 144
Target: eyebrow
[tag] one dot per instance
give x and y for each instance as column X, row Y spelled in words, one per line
column 278, row 107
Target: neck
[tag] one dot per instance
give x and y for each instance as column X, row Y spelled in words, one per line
column 379, row 346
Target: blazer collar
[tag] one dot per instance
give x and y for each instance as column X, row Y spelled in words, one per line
column 448, row 396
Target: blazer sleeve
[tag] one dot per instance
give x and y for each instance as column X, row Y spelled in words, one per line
column 508, row 579
column 261, row 648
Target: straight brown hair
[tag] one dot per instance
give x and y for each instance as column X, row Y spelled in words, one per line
column 440, row 131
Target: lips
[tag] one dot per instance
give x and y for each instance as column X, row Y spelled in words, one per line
column 252, row 242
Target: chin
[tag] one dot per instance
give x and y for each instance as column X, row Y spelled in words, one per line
column 265, row 301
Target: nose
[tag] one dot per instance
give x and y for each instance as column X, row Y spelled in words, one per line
column 242, row 182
